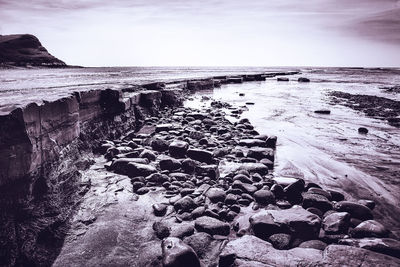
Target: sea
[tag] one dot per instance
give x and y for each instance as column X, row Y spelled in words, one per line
column 326, row 149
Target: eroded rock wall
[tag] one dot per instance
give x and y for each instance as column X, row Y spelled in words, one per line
column 42, row 149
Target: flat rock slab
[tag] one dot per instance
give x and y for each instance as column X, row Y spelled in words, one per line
column 252, row 251
column 212, row 226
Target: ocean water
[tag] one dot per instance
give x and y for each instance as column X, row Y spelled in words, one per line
column 326, row 149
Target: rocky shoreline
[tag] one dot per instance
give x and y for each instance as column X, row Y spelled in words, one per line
column 373, row 106
column 176, row 186
column 245, row 217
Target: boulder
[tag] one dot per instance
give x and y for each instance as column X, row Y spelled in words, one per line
column 369, row 228
column 386, row 246
column 244, row 187
column 252, row 142
column 137, row 169
column 178, row 148
column 185, row 204
column 260, row 153
column 121, row 165
column 356, row 210
column 315, row 244
column 280, row 241
column 159, row 144
column 249, row 250
column 200, row 155
column 211, row 171
column 264, row 197
column 295, row 221
column 157, row 178
column 176, row 253
column 216, row 195
column 303, row 80
column 336, row 223
column 212, row 226
column 168, row 163
column 317, row 201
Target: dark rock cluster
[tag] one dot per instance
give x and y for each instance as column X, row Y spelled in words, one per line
column 232, row 211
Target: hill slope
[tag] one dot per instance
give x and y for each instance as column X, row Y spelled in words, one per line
column 25, row 50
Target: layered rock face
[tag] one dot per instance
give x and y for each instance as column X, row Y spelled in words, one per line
column 42, row 149
column 25, row 50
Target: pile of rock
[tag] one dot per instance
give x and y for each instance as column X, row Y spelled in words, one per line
column 232, row 219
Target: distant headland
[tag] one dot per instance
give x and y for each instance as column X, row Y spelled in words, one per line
column 25, row 50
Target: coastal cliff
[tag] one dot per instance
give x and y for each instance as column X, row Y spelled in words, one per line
column 25, row 50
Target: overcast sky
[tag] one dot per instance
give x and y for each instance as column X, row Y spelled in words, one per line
column 211, row 32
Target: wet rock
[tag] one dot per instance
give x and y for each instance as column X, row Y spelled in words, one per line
column 356, row 210
column 319, row 191
column 148, row 154
column 323, row 111
column 386, row 246
column 142, row 190
column 221, row 152
column 242, row 178
column 277, row 190
column 231, row 199
column 159, row 144
column 137, row 169
column 282, row 79
column 216, row 195
column 189, row 165
column 337, row 222
column 182, row 230
column 198, row 212
column 271, row 142
column 293, row 191
column 168, row 163
column 303, row 80
column 200, row 155
column 120, row 166
column 336, row 196
column 362, row 130
column 211, row 171
column 315, row 244
column 260, row 153
column 316, row 211
column 280, row 241
column 161, row 229
column 264, row 197
column 248, row 188
column 157, row 178
column 212, row 226
column 185, row 204
column 197, row 135
column 368, row 203
column 178, row 254
column 296, row 221
column 159, row 209
column 252, row 143
column 164, row 127
column 268, row 163
column 370, row 228
column 249, row 250
column 317, row 201
column 178, row 148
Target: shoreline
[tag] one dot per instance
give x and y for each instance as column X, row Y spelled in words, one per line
column 60, row 136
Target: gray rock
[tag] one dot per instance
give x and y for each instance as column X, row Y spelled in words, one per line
column 247, row 188
column 148, row 154
column 185, row 204
column 159, row 209
column 252, row 142
column 200, row 155
column 386, row 246
column 315, row 244
column 280, row 241
column 161, row 229
column 260, row 153
column 336, row 223
column 356, row 210
column 121, row 165
column 178, row 254
column 317, row 201
column 296, row 221
column 137, row 169
column 157, row 178
column 216, row 195
column 369, row 228
column 159, row 144
column 168, row 163
column 212, row 226
column 164, row 127
column 178, row 148
column 264, row 197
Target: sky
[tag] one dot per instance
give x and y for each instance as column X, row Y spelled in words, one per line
column 357, row 33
